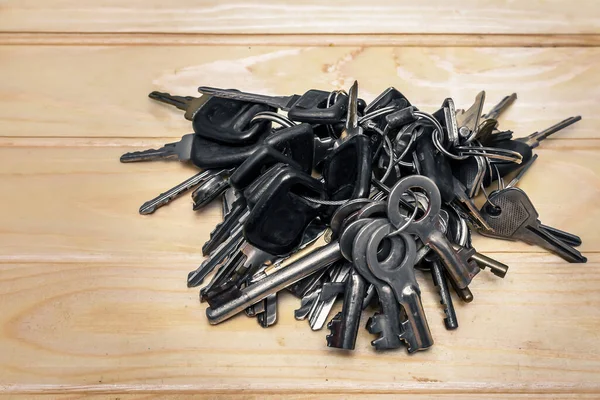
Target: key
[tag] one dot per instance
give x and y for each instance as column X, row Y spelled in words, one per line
column 439, row 280
column 189, row 104
column 210, row 189
column 522, row 172
column 347, row 170
column 344, row 326
column 275, row 282
column 513, row 217
column 389, row 98
column 218, row 257
column 535, row 138
column 468, row 121
column 469, row 254
column 235, row 218
column 397, row 270
column 320, row 311
column 269, row 316
column 568, row 238
column 165, row 198
column 309, row 107
column 499, row 108
column 447, row 117
column 180, row 150
column 385, row 324
column 306, row 304
column 426, row 227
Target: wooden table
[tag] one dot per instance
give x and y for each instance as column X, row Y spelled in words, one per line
column 93, row 295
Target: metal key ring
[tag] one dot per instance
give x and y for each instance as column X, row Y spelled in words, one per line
column 431, row 214
column 343, row 212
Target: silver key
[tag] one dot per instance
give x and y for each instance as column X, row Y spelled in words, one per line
column 189, row 104
column 211, row 188
column 217, row 258
column 522, row 172
column 397, row 270
column 535, row 138
column 499, row 108
column 269, row 316
column 181, row 150
column 426, row 228
column 285, row 103
column 322, row 307
column 513, row 217
column 386, row 323
column 275, row 282
column 165, row 198
column 468, row 121
column 352, row 126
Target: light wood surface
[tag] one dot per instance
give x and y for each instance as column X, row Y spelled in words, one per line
column 93, row 295
column 313, row 16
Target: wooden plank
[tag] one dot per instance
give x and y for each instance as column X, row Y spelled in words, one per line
column 301, row 395
column 122, row 326
column 80, row 204
column 275, row 17
column 92, row 91
column 323, row 40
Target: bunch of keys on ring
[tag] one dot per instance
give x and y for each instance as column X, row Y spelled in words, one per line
column 329, row 199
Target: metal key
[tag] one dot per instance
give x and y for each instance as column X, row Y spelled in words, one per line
column 231, row 221
column 535, row 138
column 426, row 227
column 181, row 150
column 344, row 326
column 211, row 188
column 440, row 282
column 189, row 104
column 468, row 121
column 165, row 198
column 322, row 307
column 386, row 323
column 218, row 257
column 499, row 108
column 397, row 270
column 513, row 217
column 269, row 316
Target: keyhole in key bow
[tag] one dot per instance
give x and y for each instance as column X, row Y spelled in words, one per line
column 383, row 250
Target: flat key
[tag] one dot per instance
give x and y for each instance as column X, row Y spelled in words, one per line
column 189, row 104
column 512, row 215
column 535, row 138
column 269, row 316
column 217, row 258
column 236, row 217
column 568, row 238
column 499, row 108
column 165, row 198
column 319, row 313
column 282, row 102
column 181, row 150
column 426, row 228
column 397, row 270
column 344, row 326
column 210, row 189
column 275, row 282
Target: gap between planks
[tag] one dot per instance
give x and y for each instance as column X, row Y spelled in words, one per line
column 322, row 40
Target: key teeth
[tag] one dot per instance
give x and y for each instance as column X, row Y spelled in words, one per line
column 383, row 342
column 335, row 327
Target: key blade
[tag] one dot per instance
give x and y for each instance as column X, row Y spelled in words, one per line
column 468, row 121
column 352, row 116
column 165, row 198
column 549, row 242
column 568, row 238
column 181, row 102
column 522, row 172
column 167, row 152
column 534, row 139
column 499, row 108
column 282, row 102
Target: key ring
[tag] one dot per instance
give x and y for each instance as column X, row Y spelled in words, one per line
column 412, row 217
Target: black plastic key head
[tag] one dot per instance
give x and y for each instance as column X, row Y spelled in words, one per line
column 297, row 142
column 435, row 166
column 312, row 107
column 263, row 158
column 347, row 170
column 229, row 121
column 279, row 218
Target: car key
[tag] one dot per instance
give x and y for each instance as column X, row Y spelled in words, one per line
column 310, row 107
column 347, row 170
column 513, row 217
column 210, row 189
column 165, row 198
column 189, row 104
column 426, row 227
column 180, row 150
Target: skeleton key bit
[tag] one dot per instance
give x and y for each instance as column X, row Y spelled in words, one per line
column 426, row 228
column 401, row 278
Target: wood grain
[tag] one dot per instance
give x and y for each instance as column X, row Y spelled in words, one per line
column 315, row 17
column 80, row 204
column 121, row 326
column 82, row 91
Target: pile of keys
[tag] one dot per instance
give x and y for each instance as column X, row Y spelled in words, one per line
column 337, row 198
